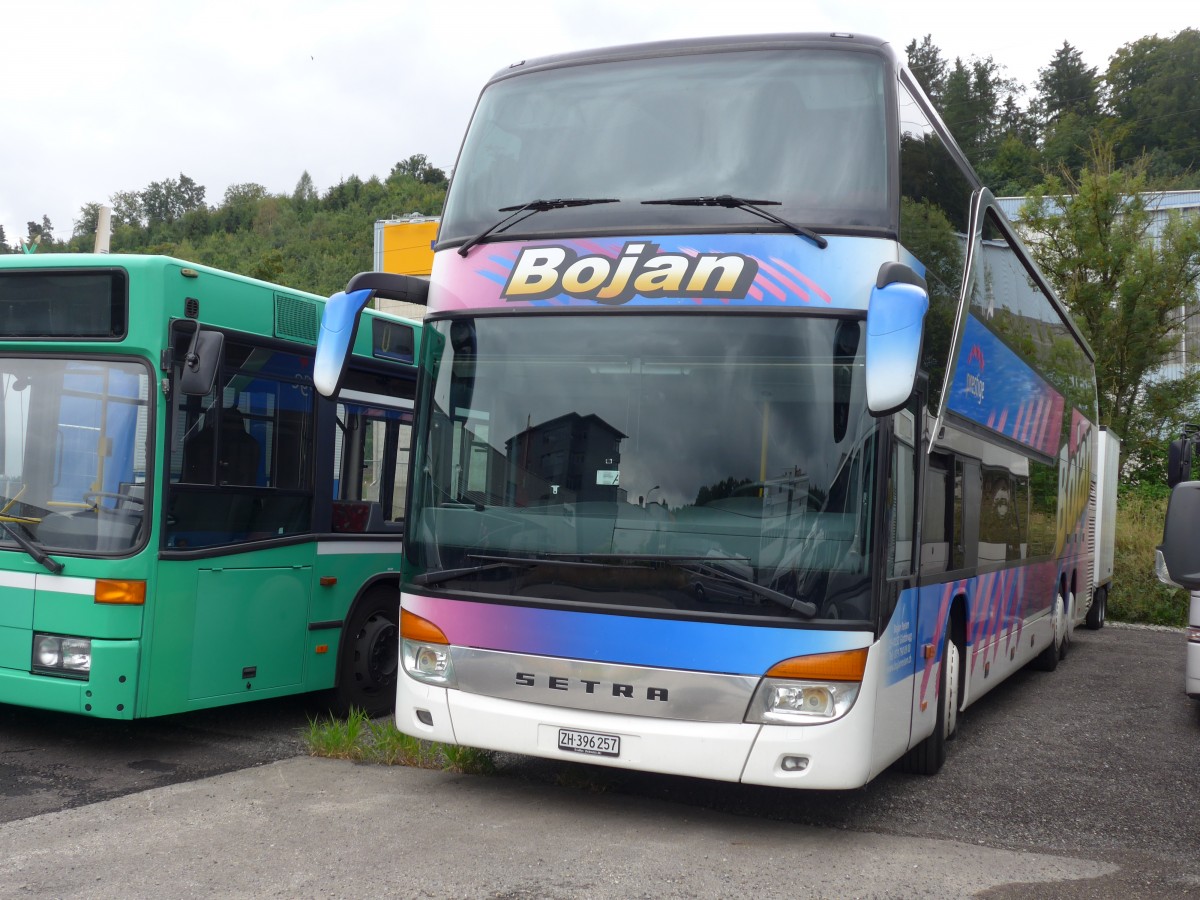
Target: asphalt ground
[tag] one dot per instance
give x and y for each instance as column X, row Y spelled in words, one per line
column 1077, row 783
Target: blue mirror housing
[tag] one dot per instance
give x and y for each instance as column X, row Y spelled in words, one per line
column 339, row 323
column 895, row 326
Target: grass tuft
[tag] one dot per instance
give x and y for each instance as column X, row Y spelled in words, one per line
column 1137, row 595
column 362, row 739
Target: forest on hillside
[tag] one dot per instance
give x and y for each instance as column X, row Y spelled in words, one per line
column 307, row 240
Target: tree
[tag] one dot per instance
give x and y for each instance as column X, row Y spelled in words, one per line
column 1067, row 109
column 418, row 166
column 127, row 209
column 929, row 67
column 1130, row 293
column 305, row 193
column 88, row 221
column 166, row 201
column 3, row 241
column 1155, row 92
column 237, row 211
column 1066, row 85
column 43, row 232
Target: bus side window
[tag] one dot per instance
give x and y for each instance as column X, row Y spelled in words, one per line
column 371, row 462
column 238, row 451
column 937, row 524
column 902, row 497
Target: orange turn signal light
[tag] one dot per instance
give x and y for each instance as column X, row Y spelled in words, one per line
column 120, row 593
column 414, row 628
column 845, row 665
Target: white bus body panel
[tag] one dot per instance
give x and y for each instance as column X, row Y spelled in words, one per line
column 841, row 754
column 1108, row 457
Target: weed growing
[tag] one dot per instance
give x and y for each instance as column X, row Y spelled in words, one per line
column 362, row 739
column 1137, row 595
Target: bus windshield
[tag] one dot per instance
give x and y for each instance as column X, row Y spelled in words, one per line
column 74, row 449
column 718, row 465
column 802, row 129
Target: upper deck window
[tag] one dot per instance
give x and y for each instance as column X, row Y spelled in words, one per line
column 64, row 305
column 802, row 127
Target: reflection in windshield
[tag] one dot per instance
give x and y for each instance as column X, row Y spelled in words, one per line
column 73, row 454
column 721, row 464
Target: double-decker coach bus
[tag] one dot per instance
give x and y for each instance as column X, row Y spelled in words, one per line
column 184, row 522
column 751, row 444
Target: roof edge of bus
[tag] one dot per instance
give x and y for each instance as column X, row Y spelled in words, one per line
column 80, row 260
column 692, row 45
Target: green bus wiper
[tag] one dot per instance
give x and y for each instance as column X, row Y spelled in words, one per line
column 533, row 206
column 33, row 549
column 751, row 206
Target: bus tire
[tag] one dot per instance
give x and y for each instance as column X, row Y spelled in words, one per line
column 369, row 657
column 928, row 756
column 1095, row 615
column 1047, row 660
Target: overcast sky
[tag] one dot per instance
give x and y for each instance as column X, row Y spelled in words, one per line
column 103, row 96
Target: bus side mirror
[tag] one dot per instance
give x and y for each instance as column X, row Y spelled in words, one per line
column 339, row 321
column 895, row 325
column 1179, row 461
column 339, row 324
column 1177, row 559
column 201, row 362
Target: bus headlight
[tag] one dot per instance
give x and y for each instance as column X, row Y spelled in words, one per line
column 778, row 702
column 430, row 663
column 425, row 651
column 806, row 690
column 58, row 655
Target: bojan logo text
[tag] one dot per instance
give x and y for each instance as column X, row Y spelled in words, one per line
column 639, row 269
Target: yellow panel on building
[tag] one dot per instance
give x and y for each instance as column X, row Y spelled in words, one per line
column 405, row 246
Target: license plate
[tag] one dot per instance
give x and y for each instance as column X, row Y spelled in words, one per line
column 589, row 742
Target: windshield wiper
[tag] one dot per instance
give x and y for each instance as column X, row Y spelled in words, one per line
column 33, row 549
column 493, row 563
column 803, row 607
column 703, row 565
column 751, row 206
column 697, row 565
column 533, row 206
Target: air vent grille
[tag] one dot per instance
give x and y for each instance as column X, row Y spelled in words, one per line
column 296, row 319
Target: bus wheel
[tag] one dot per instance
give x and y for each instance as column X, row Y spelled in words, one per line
column 1095, row 616
column 1047, row 660
column 370, row 655
column 928, row 756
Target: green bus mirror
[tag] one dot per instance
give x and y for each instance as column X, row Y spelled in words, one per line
column 201, row 362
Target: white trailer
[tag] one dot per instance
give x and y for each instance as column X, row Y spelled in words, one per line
column 1104, row 525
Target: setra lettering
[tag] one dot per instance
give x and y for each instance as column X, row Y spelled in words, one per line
column 590, row 686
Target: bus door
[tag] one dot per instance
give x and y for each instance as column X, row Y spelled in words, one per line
column 235, row 587
column 949, row 554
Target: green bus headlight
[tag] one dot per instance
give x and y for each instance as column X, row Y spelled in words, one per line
column 55, row 654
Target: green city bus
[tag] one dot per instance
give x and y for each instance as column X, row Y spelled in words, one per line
column 184, row 521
